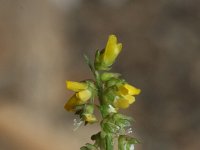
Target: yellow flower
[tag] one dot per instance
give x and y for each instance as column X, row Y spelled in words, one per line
column 90, row 118
column 112, row 50
column 121, row 103
column 71, row 103
column 125, row 96
column 105, row 58
column 82, row 95
column 76, row 86
column 129, row 98
column 128, row 89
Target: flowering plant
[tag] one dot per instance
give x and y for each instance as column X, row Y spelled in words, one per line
column 113, row 93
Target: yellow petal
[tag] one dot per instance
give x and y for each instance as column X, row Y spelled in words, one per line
column 121, row 103
column 71, row 103
column 84, row 95
column 76, row 86
column 129, row 89
column 90, row 118
column 112, row 50
column 131, row 99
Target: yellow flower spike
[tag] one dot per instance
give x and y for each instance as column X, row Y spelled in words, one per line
column 90, row 118
column 71, row 103
column 84, row 95
column 112, row 50
column 76, row 86
column 128, row 89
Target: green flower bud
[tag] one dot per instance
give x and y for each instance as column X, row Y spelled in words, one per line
column 126, row 142
column 114, row 82
column 108, row 75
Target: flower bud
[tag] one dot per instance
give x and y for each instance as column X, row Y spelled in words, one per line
column 107, row 56
column 76, row 86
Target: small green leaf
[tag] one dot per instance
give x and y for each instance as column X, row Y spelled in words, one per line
column 88, row 62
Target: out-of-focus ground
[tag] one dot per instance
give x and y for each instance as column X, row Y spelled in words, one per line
column 42, row 43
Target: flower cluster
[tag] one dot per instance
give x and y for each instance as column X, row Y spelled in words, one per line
column 78, row 102
column 113, row 93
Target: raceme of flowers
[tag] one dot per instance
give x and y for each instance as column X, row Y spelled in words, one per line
column 108, row 93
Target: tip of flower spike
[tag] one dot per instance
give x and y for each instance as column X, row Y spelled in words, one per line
column 112, row 50
column 112, row 38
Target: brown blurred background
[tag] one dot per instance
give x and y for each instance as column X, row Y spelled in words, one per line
column 42, row 43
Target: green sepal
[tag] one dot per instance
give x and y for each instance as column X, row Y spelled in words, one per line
column 108, row 75
column 109, row 95
column 118, row 116
column 122, row 120
column 92, row 87
column 126, row 142
column 114, row 82
column 98, row 63
column 89, row 109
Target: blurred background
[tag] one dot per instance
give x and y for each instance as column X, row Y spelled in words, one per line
column 42, row 43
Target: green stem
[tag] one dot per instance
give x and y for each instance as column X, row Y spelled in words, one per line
column 99, row 86
column 106, row 142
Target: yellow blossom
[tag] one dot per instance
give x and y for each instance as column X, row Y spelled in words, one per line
column 105, row 58
column 125, row 96
column 84, row 95
column 71, row 103
column 129, row 98
column 121, row 103
column 90, row 118
column 76, row 86
column 128, row 89
column 111, row 51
